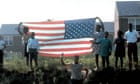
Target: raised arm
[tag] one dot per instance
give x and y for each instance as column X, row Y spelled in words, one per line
column 61, row 59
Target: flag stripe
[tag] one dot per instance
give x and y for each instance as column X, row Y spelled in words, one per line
column 49, row 37
column 66, row 43
column 48, row 34
column 66, row 49
column 66, row 46
column 66, row 55
column 46, row 28
column 44, row 25
column 66, row 52
column 46, row 22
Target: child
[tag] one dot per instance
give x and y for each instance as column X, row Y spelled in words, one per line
column 120, row 49
column 105, row 49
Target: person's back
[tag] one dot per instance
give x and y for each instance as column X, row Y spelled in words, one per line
column 105, row 48
column 76, row 71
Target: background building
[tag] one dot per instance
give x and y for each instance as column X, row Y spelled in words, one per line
column 127, row 12
column 12, row 38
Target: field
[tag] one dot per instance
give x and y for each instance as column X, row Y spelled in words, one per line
column 15, row 69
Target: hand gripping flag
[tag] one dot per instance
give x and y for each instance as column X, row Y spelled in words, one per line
column 71, row 37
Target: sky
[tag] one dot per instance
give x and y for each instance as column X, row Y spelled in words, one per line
column 16, row 11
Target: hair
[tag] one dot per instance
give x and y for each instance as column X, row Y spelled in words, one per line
column 120, row 33
column 130, row 27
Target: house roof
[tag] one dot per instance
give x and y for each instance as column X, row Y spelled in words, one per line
column 128, row 8
column 9, row 29
column 109, row 26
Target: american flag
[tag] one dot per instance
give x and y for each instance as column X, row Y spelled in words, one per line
column 71, row 37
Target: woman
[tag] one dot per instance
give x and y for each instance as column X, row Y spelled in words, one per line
column 120, row 49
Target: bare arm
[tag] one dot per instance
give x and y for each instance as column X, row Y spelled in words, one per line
column 86, row 70
column 61, row 59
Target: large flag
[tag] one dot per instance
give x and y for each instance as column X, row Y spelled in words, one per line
column 71, row 37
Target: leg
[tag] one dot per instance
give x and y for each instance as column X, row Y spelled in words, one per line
column 36, row 59
column 121, row 62
column 27, row 59
column 1, row 59
column 135, row 55
column 107, row 61
column 97, row 60
column 116, row 61
column 31, row 58
column 103, row 61
column 130, row 56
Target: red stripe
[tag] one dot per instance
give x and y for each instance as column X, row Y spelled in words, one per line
column 46, row 34
column 50, row 39
column 46, row 28
column 67, row 49
column 46, row 22
column 66, row 43
column 66, row 55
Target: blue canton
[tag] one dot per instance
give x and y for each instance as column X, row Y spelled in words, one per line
column 79, row 28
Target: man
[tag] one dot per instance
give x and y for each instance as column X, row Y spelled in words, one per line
column 32, row 48
column 76, row 68
column 132, row 38
column 2, row 47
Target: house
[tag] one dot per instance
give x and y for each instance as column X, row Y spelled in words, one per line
column 109, row 27
column 12, row 37
column 127, row 12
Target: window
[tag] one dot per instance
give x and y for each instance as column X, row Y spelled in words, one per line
column 8, row 40
column 136, row 23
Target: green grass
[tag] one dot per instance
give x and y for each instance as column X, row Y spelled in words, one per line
column 18, row 63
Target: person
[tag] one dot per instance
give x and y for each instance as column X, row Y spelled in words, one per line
column 132, row 37
column 2, row 47
column 97, row 36
column 25, row 38
column 119, row 49
column 33, row 48
column 76, row 68
column 105, row 49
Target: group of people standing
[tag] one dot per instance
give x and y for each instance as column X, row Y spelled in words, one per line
column 103, row 46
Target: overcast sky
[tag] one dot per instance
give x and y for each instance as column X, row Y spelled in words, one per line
column 15, row 11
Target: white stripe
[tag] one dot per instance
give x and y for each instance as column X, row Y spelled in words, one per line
column 47, row 31
column 44, row 25
column 49, row 37
column 67, row 52
column 66, row 46
column 67, row 40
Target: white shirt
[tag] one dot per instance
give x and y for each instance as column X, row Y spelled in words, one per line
column 131, row 37
column 76, row 71
column 2, row 44
column 32, row 43
column 98, row 36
